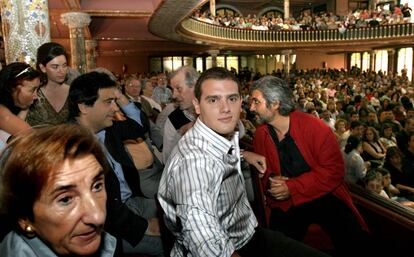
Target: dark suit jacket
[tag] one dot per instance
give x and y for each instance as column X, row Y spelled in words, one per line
column 121, row 222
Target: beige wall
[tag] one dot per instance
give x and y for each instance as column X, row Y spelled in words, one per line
column 310, row 60
column 135, row 64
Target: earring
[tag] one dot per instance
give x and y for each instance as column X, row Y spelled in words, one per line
column 29, row 231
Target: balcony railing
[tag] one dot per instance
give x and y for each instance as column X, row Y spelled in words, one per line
column 232, row 35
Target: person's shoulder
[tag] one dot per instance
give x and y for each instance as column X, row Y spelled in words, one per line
column 14, row 245
column 4, row 111
column 262, row 128
column 303, row 119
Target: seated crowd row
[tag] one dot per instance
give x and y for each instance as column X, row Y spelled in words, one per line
column 311, row 21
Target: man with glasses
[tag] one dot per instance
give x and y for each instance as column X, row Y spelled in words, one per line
column 162, row 94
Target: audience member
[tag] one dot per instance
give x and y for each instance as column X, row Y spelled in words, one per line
column 355, row 167
column 51, row 106
column 387, row 136
column 304, row 180
column 93, row 99
column 341, row 132
column 393, row 163
column 403, row 136
column 147, row 94
column 162, row 94
column 183, row 117
column 18, row 89
column 408, row 160
column 393, row 192
column 373, row 149
column 132, row 89
column 373, row 183
column 202, row 191
column 53, row 193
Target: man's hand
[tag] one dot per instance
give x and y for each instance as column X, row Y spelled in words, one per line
column 278, row 188
column 121, row 99
column 257, row 160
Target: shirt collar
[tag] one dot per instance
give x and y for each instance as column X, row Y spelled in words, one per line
column 218, row 144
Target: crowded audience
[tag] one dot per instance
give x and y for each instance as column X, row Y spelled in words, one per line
column 359, row 18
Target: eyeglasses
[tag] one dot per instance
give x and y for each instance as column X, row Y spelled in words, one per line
column 27, row 70
column 256, row 101
column 134, row 86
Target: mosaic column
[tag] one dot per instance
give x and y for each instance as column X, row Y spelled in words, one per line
column 90, row 46
column 77, row 21
column 25, row 25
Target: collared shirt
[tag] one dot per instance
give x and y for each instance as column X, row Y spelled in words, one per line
column 132, row 111
column 354, row 166
column 162, row 95
column 133, row 99
column 116, row 167
column 17, row 245
column 203, row 195
column 4, row 136
column 154, row 105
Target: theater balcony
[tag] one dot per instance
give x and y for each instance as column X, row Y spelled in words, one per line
column 190, row 30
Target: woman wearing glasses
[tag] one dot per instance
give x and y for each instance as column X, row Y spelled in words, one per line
column 52, row 105
column 18, row 89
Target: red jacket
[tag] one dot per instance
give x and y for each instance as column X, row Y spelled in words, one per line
column 318, row 146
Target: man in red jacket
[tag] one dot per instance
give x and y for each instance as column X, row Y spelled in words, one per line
column 304, row 180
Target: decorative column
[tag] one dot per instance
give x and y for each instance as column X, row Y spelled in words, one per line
column 391, row 62
column 286, row 64
column 90, row 46
column 77, row 21
column 286, row 9
column 26, row 26
column 373, row 5
column 372, row 60
column 213, row 7
column 213, row 54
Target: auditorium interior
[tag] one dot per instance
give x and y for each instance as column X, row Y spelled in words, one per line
column 155, row 36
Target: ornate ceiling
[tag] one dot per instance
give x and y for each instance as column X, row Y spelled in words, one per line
column 148, row 27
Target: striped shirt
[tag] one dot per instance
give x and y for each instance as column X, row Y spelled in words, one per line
column 203, row 196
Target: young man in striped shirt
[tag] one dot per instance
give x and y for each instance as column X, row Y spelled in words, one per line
column 202, row 188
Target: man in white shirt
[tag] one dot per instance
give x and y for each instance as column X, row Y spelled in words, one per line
column 202, row 188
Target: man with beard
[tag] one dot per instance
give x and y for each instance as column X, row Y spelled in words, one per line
column 304, row 180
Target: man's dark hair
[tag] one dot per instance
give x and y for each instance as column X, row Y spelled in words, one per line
column 216, row 73
column 85, row 90
column 355, row 124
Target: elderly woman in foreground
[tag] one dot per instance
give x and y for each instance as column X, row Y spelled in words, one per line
column 53, row 194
